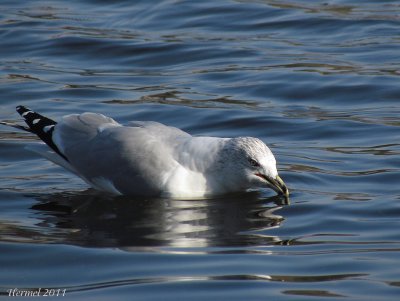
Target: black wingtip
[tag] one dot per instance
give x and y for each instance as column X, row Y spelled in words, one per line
column 40, row 125
column 34, row 120
column 21, row 109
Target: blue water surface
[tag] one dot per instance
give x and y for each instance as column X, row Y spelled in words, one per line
column 318, row 81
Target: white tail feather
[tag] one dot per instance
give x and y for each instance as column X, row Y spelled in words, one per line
column 43, row 150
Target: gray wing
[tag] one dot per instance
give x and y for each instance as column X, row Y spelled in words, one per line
column 124, row 159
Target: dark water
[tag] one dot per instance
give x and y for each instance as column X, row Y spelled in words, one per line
column 318, row 81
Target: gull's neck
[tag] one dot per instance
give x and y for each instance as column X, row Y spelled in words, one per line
column 198, row 159
column 199, row 153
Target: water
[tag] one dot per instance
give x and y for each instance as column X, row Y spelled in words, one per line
column 317, row 81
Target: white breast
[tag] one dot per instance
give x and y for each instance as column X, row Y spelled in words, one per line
column 184, row 183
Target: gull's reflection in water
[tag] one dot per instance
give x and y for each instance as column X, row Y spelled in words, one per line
column 89, row 219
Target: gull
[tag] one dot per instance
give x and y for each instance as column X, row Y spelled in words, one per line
column 147, row 158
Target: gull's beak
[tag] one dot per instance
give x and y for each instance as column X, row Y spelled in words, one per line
column 276, row 184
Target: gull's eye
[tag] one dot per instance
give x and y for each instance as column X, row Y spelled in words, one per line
column 254, row 163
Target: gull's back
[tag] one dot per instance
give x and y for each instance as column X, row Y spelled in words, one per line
column 119, row 159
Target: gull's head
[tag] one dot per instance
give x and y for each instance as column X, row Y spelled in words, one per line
column 252, row 164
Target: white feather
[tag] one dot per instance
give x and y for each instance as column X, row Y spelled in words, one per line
column 43, row 150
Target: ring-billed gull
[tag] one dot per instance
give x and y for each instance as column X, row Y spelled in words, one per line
column 152, row 159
